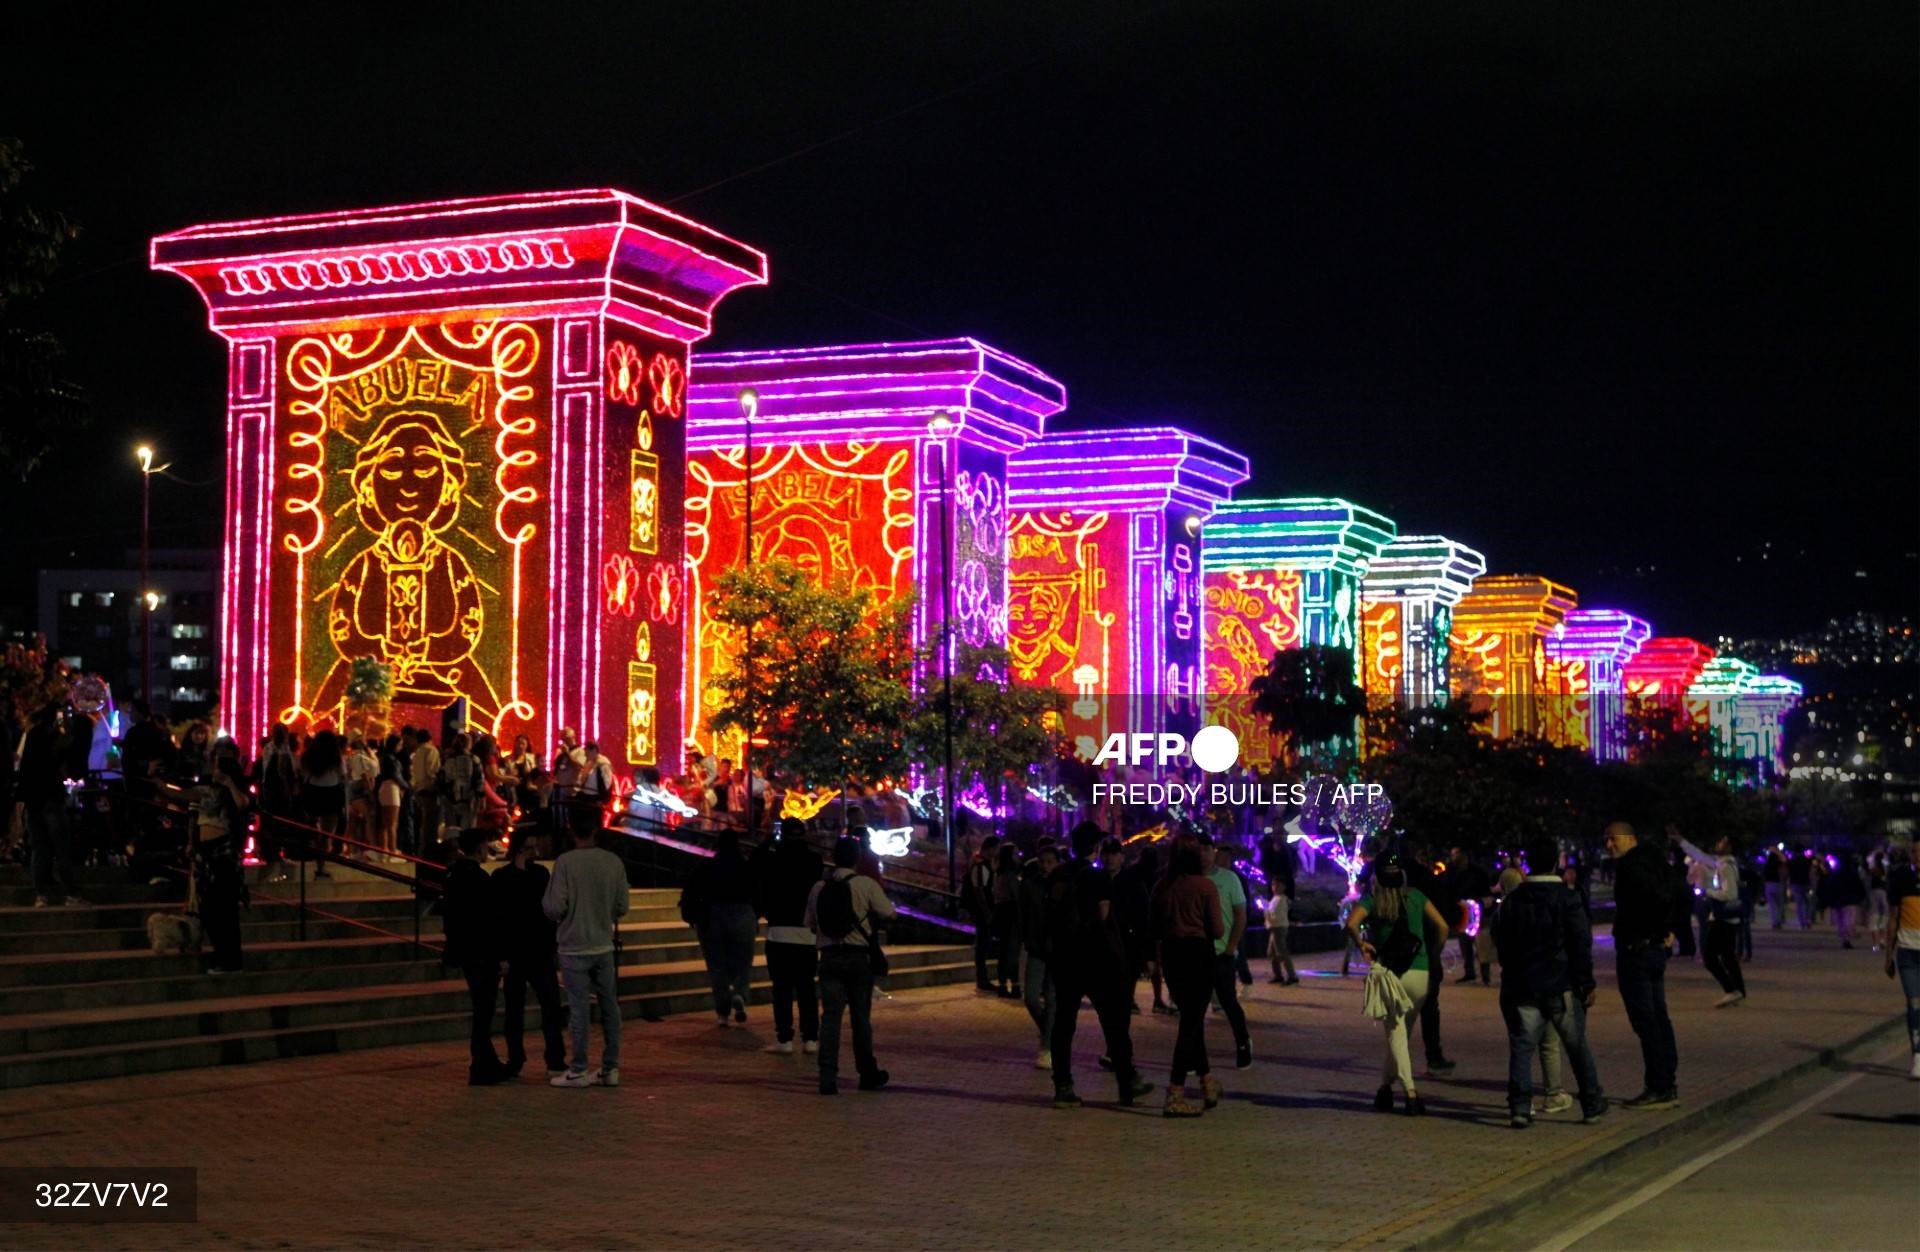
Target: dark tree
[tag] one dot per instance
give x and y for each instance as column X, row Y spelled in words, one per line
column 1311, row 701
column 39, row 403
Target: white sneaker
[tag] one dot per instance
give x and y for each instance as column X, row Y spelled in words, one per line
column 571, row 1079
column 810, row 1047
column 1914, row 1073
column 1043, row 1059
column 39, row 902
column 608, row 1076
column 1553, row 1104
column 1729, row 1000
column 725, row 1022
column 779, row 1049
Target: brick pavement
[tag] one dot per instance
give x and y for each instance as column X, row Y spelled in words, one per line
column 711, row 1143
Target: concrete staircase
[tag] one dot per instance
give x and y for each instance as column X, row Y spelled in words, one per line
column 82, row 995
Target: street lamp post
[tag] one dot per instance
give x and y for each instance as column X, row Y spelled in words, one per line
column 749, row 407
column 939, row 427
column 148, row 600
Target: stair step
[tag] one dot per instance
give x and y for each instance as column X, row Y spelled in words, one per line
column 942, row 966
column 45, row 1032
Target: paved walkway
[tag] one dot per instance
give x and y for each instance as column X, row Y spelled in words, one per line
column 711, row 1144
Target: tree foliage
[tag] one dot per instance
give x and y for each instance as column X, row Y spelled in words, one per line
column 39, row 402
column 30, row 680
column 1310, row 700
column 1001, row 729
column 825, row 674
column 369, row 696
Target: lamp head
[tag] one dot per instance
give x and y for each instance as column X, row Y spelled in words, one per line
column 145, row 454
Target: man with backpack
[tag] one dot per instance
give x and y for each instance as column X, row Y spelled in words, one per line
column 1546, row 981
column 1089, row 962
column 843, row 911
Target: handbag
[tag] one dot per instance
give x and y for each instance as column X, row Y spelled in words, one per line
column 1401, row 946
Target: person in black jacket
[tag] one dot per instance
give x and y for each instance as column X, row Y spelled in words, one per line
column 785, row 870
column 1036, row 947
column 1546, row 981
column 1466, row 881
column 41, row 788
column 1644, row 887
column 724, row 885
column 473, row 936
column 527, row 943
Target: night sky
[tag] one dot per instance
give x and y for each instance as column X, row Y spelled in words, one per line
column 1621, row 298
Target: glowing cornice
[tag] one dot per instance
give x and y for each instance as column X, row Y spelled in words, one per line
column 1599, row 635
column 1304, row 533
column 1725, row 676
column 872, row 391
column 1511, row 603
column 1429, row 567
column 1666, row 664
column 583, row 253
column 1148, row 467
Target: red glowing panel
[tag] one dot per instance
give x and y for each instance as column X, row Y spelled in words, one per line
column 1250, row 616
column 841, row 511
column 1067, row 624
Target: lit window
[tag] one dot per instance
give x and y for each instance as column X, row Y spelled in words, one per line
column 103, row 598
column 74, row 598
column 186, row 631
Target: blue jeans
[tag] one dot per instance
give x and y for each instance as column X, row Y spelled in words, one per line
column 1642, row 972
column 728, row 946
column 1776, row 903
column 1907, row 963
column 1527, row 1023
column 1039, row 996
column 592, row 978
column 1802, row 906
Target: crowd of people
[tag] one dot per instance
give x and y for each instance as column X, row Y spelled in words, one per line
column 1080, row 920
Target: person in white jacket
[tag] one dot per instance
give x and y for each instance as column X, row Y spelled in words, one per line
column 1717, row 877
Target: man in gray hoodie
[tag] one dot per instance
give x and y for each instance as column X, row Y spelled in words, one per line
column 588, row 897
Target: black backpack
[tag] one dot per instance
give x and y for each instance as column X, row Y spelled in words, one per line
column 833, row 912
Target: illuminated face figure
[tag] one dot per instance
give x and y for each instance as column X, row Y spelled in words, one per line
column 1040, row 620
column 410, row 600
column 410, row 479
column 410, row 471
